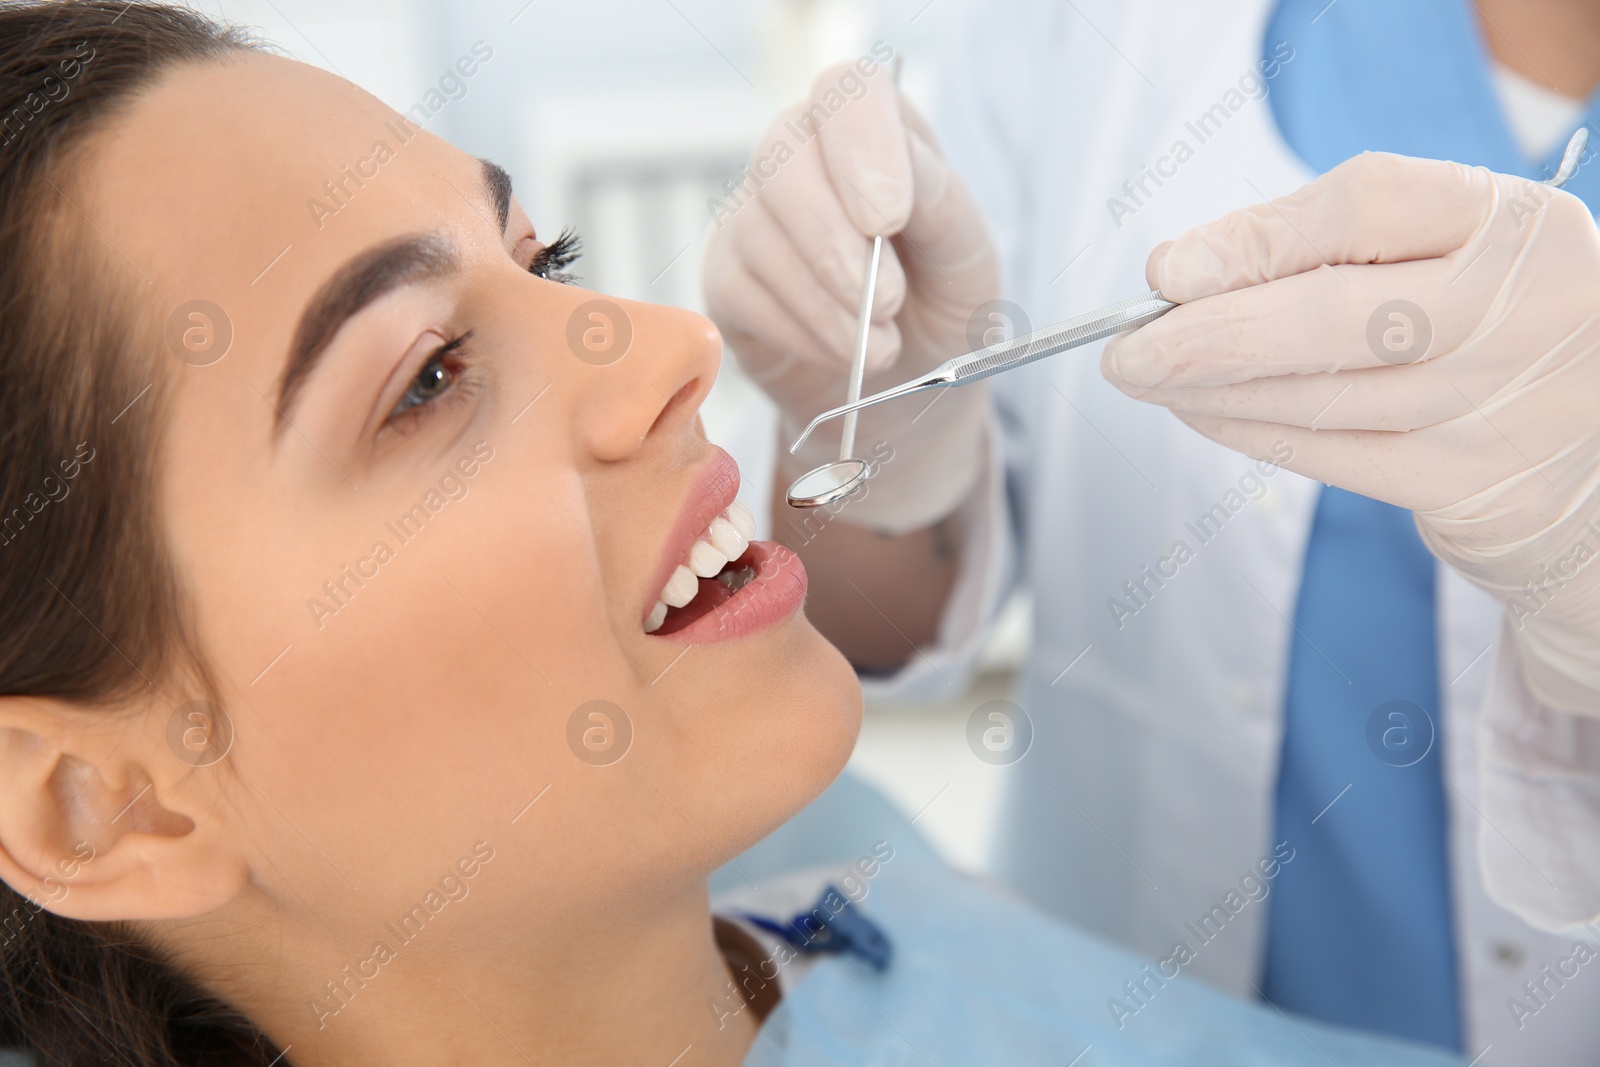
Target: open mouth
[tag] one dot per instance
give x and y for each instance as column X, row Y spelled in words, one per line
column 761, row 588
column 719, row 563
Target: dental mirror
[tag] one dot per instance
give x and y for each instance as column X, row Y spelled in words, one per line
column 837, row 480
column 827, row 483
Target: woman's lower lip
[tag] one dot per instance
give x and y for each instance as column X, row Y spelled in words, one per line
column 775, row 593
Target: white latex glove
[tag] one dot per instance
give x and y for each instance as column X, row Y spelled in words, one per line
column 1478, row 407
column 783, row 277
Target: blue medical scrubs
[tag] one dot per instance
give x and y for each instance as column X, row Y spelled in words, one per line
column 1360, row 926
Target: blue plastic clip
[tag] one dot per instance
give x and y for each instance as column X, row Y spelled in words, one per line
column 833, row 924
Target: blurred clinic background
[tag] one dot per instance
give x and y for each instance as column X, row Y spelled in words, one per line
column 623, row 118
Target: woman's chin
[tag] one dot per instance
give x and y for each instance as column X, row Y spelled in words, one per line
column 823, row 709
column 775, row 745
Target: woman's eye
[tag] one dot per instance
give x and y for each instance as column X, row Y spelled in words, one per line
column 431, row 381
column 435, row 379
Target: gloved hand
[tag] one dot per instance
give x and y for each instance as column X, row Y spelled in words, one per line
column 1424, row 333
column 783, row 271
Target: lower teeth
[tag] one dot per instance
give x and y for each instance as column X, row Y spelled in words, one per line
column 736, row 577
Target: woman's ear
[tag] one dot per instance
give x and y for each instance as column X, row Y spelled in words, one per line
column 99, row 820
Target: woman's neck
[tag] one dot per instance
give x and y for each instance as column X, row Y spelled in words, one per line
column 611, row 987
column 1554, row 43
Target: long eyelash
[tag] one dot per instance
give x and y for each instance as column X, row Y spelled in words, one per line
column 561, row 252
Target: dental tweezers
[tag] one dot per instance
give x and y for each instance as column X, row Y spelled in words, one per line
column 1008, row 355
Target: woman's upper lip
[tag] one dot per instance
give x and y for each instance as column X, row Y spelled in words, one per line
column 714, row 488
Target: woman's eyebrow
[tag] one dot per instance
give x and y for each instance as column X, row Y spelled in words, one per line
column 367, row 276
column 363, row 278
column 498, row 183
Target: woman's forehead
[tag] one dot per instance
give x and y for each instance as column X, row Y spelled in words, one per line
column 254, row 154
column 246, row 183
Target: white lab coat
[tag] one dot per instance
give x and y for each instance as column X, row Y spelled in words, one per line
column 1148, row 792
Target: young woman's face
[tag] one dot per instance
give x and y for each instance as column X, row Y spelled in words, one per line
column 422, row 522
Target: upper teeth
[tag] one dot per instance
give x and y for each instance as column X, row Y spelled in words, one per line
column 725, row 539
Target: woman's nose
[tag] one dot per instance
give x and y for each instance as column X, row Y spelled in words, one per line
column 646, row 370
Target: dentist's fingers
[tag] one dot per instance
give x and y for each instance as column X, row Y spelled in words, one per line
column 753, row 320
column 770, row 256
column 804, row 198
column 1375, row 316
column 1373, row 208
column 863, row 139
column 946, row 235
column 767, row 339
column 919, row 126
column 786, row 257
column 1351, row 400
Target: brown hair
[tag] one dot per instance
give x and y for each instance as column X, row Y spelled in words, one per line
column 90, row 605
